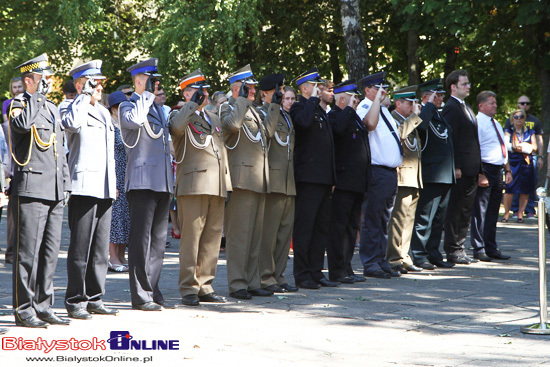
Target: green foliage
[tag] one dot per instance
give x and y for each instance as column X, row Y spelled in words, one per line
column 503, row 44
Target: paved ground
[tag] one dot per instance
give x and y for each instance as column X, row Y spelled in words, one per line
column 465, row 316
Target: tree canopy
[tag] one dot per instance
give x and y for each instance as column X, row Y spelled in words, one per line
column 505, row 45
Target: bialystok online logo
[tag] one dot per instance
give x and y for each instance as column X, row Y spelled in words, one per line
column 118, row 340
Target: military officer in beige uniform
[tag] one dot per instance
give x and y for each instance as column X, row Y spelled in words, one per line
column 279, row 203
column 245, row 137
column 202, row 182
column 409, row 180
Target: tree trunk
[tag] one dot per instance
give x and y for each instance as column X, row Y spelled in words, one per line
column 335, row 63
column 413, row 61
column 356, row 48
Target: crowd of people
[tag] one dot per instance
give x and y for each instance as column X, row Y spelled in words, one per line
column 321, row 169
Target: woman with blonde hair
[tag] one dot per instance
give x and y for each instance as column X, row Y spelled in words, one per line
column 522, row 146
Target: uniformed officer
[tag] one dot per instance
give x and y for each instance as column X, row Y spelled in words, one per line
column 279, row 203
column 245, row 137
column 387, row 152
column 149, row 183
column 409, row 181
column 438, row 175
column 353, row 170
column 315, row 176
column 39, row 181
column 202, row 183
column 90, row 138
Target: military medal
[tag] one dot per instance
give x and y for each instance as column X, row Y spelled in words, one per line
column 201, row 136
column 354, row 135
column 218, row 131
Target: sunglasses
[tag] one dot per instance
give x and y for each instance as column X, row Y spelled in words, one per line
column 518, row 117
column 525, row 103
column 129, row 93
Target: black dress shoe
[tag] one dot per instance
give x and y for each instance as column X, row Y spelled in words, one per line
column 53, row 319
column 190, row 300
column 462, row 259
column 288, row 288
column 324, row 282
column 212, row 297
column 400, row 269
column 443, row 264
column 413, row 268
column 426, row 266
column 80, row 314
column 499, row 256
column 393, row 273
column 32, row 321
column 309, row 284
column 482, row 257
column 275, row 288
column 378, row 274
column 260, row 292
column 102, row 310
column 3, row 331
column 346, row 280
column 241, row 294
column 358, row 278
column 165, row 304
column 148, row 306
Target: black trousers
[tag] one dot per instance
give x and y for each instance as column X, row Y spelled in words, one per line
column 37, row 234
column 377, row 210
column 344, row 224
column 428, row 222
column 310, row 235
column 87, row 259
column 483, row 228
column 458, row 215
column 147, row 242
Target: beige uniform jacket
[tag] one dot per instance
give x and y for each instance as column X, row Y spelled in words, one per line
column 202, row 159
column 281, row 151
column 245, row 137
column 410, row 171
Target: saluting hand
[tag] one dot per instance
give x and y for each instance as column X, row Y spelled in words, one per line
column 277, row 96
column 416, row 108
column 44, row 85
column 381, row 94
column 89, row 86
column 243, row 92
column 432, row 97
column 315, row 92
column 198, row 97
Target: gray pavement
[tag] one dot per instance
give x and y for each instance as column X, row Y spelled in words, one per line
column 465, row 316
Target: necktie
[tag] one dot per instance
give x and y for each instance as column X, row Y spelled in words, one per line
column 468, row 113
column 502, row 146
column 396, row 137
column 201, row 113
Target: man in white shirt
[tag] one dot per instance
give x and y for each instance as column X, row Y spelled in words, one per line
column 494, row 157
column 386, row 154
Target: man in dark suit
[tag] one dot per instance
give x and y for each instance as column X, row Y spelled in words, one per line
column 352, row 160
column 149, row 183
column 467, row 156
column 314, row 176
column 91, row 139
column 39, row 181
column 438, row 176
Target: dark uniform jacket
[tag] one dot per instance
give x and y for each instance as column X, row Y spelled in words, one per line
column 465, row 139
column 46, row 175
column 281, row 151
column 351, row 150
column 314, row 151
column 438, row 165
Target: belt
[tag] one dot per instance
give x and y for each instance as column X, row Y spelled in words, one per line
column 385, row 167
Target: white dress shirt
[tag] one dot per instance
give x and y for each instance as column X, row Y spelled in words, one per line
column 489, row 143
column 383, row 146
